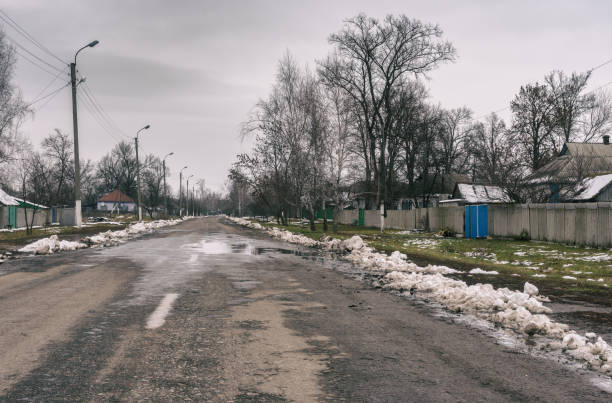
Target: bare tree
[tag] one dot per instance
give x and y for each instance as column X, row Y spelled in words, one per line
column 457, row 128
column 12, row 108
column 117, row 170
column 597, row 120
column 568, row 103
column 370, row 59
column 533, row 124
column 57, row 149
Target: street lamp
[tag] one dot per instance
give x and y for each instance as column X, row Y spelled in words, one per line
column 78, row 219
column 138, row 172
column 187, row 198
column 166, row 189
column 181, row 191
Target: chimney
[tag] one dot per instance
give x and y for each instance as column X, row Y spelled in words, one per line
column 606, row 139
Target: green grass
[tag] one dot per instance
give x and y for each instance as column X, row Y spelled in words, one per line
column 534, row 257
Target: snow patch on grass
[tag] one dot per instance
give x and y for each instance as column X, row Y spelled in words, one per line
column 52, row 244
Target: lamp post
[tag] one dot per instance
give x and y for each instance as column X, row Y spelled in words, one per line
column 138, row 172
column 187, row 198
column 78, row 220
column 181, row 191
column 165, row 188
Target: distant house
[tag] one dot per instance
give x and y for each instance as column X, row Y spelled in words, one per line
column 471, row 193
column 426, row 191
column 116, row 201
column 579, row 166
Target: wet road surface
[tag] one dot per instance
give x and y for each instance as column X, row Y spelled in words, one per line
column 207, row 311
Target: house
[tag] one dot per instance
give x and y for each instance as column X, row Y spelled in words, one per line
column 116, row 201
column 426, row 191
column 575, row 168
column 430, row 191
column 12, row 212
column 7, row 200
column 471, row 193
column 590, row 189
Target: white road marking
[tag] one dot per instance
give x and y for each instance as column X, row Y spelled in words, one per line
column 158, row 317
column 193, row 258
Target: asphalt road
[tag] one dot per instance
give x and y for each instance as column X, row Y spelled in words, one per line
column 208, row 311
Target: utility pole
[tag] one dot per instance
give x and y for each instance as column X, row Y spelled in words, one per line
column 78, row 219
column 180, row 205
column 138, row 173
column 165, row 188
column 187, row 198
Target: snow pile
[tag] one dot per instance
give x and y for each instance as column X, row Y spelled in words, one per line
column 478, row 270
column 47, row 246
column 52, row 244
column 519, row 310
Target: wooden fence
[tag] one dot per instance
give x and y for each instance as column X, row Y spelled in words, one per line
column 571, row 223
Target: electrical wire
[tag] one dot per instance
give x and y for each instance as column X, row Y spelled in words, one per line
column 50, row 98
column 49, row 94
column 111, row 122
column 50, row 83
column 22, row 31
column 86, row 103
column 592, row 91
column 101, row 115
column 35, row 64
column 20, row 46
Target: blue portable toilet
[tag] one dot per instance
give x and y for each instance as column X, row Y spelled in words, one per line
column 476, row 221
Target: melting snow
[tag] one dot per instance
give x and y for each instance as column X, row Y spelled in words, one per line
column 52, row 244
column 519, row 310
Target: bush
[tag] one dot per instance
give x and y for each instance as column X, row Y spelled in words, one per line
column 447, row 232
column 523, row 236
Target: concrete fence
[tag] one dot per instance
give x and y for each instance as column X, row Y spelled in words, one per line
column 571, row 223
column 42, row 217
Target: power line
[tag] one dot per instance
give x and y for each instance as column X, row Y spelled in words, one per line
column 601, row 65
column 32, row 54
column 97, row 108
column 86, row 103
column 35, row 64
column 50, row 98
column 6, row 18
column 50, row 83
column 589, row 70
column 103, row 112
column 49, row 94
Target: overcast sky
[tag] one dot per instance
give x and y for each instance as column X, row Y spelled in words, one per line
column 194, row 69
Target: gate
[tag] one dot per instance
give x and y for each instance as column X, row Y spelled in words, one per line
column 54, row 214
column 361, row 217
column 476, row 221
column 12, row 216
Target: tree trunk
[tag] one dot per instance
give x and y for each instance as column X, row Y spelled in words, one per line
column 324, row 216
column 311, row 219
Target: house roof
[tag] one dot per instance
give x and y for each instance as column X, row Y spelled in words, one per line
column 7, row 200
column 576, row 159
column 473, row 193
column 589, row 188
column 116, row 196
